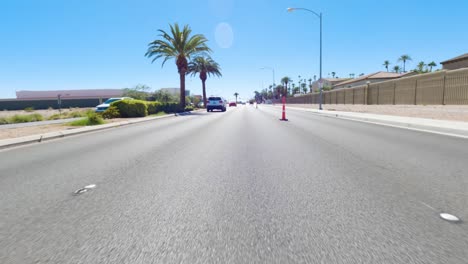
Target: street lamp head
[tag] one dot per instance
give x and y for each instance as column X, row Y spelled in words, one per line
column 290, row 9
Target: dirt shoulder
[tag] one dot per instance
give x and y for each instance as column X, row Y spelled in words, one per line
column 438, row 112
column 37, row 130
column 45, row 113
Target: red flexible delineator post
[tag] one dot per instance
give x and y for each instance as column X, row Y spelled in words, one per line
column 284, row 110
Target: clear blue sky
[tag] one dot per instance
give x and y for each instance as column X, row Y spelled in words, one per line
column 87, row 44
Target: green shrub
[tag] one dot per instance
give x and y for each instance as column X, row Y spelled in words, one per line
column 188, row 108
column 29, row 109
column 75, row 114
column 111, row 112
column 132, row 108
column 154, row 107
column 90, row 120
column 171, row 108
column 54, row 117
column 4, row 121
column 26, row 118
column 95, row 119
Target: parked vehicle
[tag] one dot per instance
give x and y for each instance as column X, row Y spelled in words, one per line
column 232, row 104
column 215, row 103
column 103, row 107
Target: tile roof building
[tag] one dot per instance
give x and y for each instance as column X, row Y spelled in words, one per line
column 69, row 94
column 456, row 63
column 371, row 78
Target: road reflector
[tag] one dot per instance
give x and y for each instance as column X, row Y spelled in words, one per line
column 449, row 217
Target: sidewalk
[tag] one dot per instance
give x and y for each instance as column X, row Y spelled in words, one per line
column 447, row 127
column 438, row 112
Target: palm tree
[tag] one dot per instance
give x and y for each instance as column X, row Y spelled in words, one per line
column 421, row 65
column 351, row 75
column 404, row 58
column 236, row 94
column 396, row 68
column 315, row 77
column 386, row 64
column 285, row 80
column 178, row 45
column 304, row 87
column 432, row 64
column 205, row 66
column 333, row 74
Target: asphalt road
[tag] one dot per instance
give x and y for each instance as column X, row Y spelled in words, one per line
column 237, row 187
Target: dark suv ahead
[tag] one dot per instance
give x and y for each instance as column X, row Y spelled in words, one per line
column 216, row 103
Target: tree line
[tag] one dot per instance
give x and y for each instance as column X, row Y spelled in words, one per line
column 421, row 67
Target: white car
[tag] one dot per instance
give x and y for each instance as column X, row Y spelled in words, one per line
column 103, row 107
column 215, row 102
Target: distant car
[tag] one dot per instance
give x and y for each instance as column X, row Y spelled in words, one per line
column 215, row 103
column 232, row 104
column 103, row 107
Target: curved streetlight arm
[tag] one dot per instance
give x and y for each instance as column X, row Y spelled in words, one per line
column 290, row 9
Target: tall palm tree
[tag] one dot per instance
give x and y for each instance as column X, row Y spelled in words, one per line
column 386, row 64
column 205, row 66
column 178, row 45
column 421, row 65
column 404, row 58
column 304, row 87
column 236, row 94
column 285, row 80
column 333, row 74
column 431, row 64
column 396, row 68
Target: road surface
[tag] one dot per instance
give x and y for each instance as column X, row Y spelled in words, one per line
column 237, row 187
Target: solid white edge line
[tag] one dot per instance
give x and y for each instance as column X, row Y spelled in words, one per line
column 384, row 124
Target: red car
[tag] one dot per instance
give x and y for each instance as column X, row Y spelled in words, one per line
column 232, row 104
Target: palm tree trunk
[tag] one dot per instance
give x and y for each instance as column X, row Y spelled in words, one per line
column 182, row 90
column 204, row 93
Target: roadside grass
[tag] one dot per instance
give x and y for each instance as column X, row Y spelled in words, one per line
column 159, row 114
column 21, row 119
column 3, row 121
column 73, row 114
column 91, row 119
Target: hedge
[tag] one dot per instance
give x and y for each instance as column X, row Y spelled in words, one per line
column 156, row 107
column 131, row 108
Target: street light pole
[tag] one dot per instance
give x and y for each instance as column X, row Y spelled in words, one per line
column 290, row 9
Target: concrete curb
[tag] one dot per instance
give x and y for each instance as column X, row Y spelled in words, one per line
column 453, row 128
column 13, row 142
